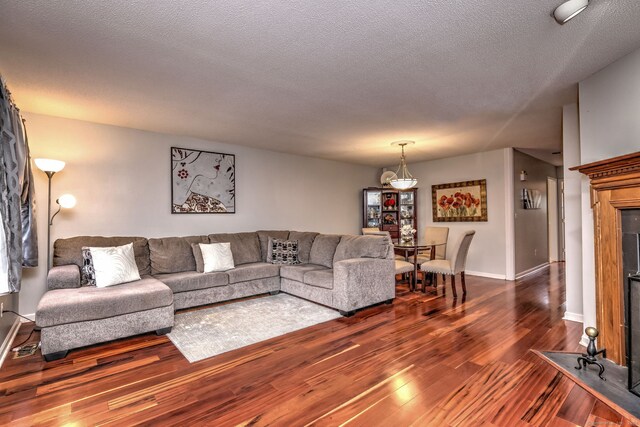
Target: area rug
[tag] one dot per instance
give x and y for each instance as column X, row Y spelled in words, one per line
column 205, row 333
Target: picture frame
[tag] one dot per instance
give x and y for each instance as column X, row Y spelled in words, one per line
column 202, row 181
column 464, row 201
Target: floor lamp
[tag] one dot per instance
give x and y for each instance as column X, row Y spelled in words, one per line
column 67, row 201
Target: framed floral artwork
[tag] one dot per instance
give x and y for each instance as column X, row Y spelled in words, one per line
column 460, row 201
column 202, row 181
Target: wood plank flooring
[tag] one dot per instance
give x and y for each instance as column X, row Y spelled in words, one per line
column 426, row 360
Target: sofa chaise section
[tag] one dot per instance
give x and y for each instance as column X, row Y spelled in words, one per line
column 72, row 316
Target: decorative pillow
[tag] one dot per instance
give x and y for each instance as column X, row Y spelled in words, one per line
column 216, row 256
column 282, row 251
column 114, row 265
column 87, row 272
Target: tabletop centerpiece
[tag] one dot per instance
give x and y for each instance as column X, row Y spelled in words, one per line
column 407, row 233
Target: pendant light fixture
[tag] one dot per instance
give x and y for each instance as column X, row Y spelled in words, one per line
column 568, row 10
column 403, row 179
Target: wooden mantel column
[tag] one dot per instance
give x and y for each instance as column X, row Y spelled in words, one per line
column 615, row 185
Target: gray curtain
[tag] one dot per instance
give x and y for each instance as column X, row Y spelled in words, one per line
column 17, row 195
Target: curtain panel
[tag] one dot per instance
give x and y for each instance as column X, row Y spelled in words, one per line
column 17, row 193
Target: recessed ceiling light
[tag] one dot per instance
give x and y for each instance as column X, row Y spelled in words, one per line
column 567, row 10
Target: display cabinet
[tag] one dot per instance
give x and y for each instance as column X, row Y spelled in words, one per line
column 388, row 209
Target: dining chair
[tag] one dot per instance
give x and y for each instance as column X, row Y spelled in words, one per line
column 435, row 234
column 402, row 267
column 405, row 268
column 453, row 265
column 372, row 231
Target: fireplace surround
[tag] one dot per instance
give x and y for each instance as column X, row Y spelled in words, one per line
column 615, row 194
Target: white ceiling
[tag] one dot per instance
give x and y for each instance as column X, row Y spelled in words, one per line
column 337, row 79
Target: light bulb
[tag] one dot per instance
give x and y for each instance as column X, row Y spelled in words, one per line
column 66, row 201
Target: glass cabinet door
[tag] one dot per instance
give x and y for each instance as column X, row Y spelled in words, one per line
column 373, row 208
column 407, row 209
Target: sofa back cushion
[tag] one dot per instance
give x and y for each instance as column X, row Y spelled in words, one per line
column 323, row 249
column 245, row 247
column 305, row 241
column 369, row 246
column 173, row 254
column 69, row 251
column 263, row 236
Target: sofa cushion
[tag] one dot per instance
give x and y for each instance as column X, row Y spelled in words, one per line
column 258, row 270
column 369, row 246
column 319, row 278
column 263, row 237
column 244, row 246
column 283, row 252
column 323, row 249
column 69, row 251
column 305, row 241
column 173, row 254
column 62, row 306
column 190, row 280
column 296, row 272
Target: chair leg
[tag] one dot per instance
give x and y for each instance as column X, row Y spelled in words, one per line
column 464, row 285
column 453, row 286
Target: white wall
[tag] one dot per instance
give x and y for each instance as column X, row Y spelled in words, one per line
column 487, row 254
column 609, row 127
column 572, row 213
column 121, row 179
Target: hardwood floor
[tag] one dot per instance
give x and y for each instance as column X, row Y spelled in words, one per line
column 426, row 360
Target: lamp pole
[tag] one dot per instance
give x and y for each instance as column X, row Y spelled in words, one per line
column 49, row 221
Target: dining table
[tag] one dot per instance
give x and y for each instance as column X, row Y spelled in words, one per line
column 414, row 247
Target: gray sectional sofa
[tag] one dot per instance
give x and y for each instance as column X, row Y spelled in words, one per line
column 343, row 272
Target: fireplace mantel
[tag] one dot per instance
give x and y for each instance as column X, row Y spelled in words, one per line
column 615, row 185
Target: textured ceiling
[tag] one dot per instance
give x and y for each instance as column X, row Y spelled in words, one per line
column 337, row 79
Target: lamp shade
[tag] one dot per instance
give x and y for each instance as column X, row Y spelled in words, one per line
column 49, row 165
column 569, row 9
column 403, row 184
column 66, row 201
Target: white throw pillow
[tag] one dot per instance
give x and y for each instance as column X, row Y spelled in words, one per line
column 216, row 256
column 114, row 265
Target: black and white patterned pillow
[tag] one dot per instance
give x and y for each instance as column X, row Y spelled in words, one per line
column 87, row 272
column 283, row 252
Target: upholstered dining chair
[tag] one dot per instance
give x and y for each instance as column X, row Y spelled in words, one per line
column 375, row 231
column 454, row 264
column 435, row 234
column 402, row 267
column 372, row 231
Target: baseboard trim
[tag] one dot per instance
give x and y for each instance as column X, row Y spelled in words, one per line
column 532, row 270
column 6, row 345
column 487, row 275
column 573, row 317
column 31, row 317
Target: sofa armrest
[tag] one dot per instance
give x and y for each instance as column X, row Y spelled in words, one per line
column 64, row 277
column 360, row 282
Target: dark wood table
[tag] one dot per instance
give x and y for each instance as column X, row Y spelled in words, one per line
column 413, row 247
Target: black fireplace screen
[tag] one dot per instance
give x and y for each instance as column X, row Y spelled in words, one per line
column 633, row 333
